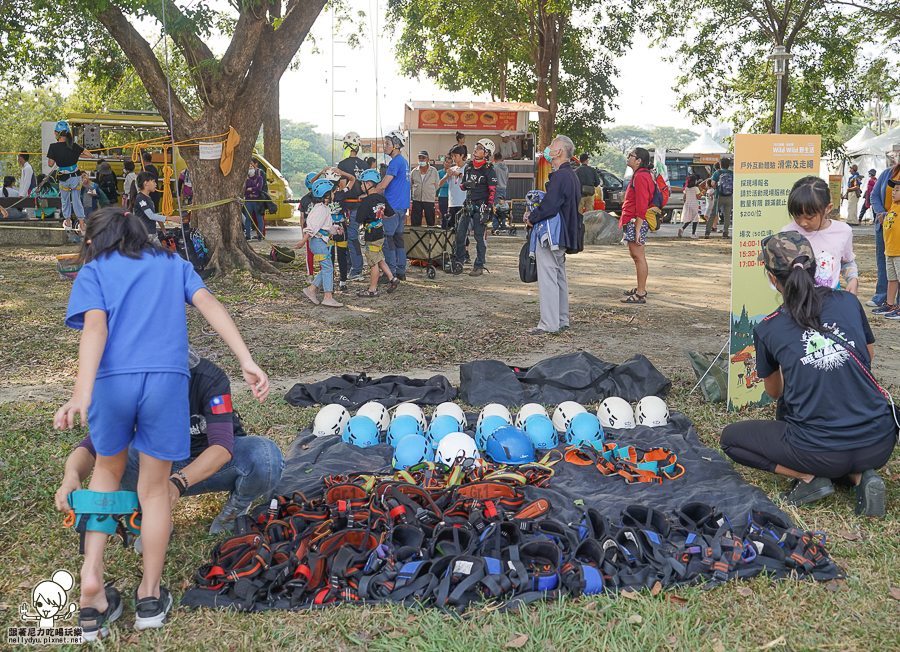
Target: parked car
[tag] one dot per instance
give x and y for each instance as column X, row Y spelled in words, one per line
column 613, row 191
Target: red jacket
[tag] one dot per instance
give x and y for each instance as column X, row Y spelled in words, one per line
column 638, row 196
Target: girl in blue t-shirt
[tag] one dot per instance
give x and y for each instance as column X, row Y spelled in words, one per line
column 132, row 385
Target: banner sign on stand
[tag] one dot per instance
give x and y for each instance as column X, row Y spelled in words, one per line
column 766, row 166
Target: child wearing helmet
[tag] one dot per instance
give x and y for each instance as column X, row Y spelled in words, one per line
column 64, row 154
column 370, row 213
column 317, row 232
column 345, row 188
column 479, row 179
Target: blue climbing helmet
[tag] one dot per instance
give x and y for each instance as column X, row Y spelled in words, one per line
column 361, row 431
column 533, row 199
column 585, row 429
column 488, row 425
column 321, row 188
column 61, row 126
column 509, row 445
column 440, row 427
column 402, row 426
column 309, row 178
column 370, row 175
column 410, row 451
column 541, row 432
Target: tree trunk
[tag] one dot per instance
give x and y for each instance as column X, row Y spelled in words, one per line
column 272, row 127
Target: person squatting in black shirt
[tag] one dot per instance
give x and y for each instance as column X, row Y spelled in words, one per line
column 814, row 356
column 480, row 181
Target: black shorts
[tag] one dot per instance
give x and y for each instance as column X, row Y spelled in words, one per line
column 763, row 445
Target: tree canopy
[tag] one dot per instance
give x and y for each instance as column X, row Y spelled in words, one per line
column 554, row 53
column 723, row 45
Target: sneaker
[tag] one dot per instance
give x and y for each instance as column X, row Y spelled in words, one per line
column 803, row 493
column 224, row 522
column 884, row 308
column 310, row 293
column 870, row 495
column 343, row 286
column 357, row 277
column 383, row 279
column 893, row 314
column 151, row 613
column 871, row 303
column 680, row 232
column 467, row 260
column 402, row 277
column 331, row 303
column 95, row 624
column 694, row 236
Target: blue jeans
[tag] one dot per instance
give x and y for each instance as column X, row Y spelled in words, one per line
column 254, row 471
column 325, row 278
column 394, row 246
column 880, row 295
column 255, row 213
column 70, row 196
column 356, row 259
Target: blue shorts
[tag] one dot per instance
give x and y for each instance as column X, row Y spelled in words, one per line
column 630, row 234
column 149, row 409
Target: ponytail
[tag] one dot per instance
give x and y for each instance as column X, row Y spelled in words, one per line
column 802, row 297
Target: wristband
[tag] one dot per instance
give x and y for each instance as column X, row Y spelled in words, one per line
column 183, row 479
column 178, row 485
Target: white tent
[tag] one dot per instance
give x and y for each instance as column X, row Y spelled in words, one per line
column 876, row 145
column 704, row 145
column 864, row 134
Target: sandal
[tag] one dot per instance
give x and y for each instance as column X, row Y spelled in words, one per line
column 635, row 298
column 367, row 293
column 628, row 293
column 393, row 286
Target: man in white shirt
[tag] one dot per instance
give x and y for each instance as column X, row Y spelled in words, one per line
column 27, row 179
column 508, row 147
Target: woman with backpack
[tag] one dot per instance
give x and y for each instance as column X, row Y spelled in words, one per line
column 638, row 197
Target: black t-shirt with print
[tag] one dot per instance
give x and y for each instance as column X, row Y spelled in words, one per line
column 306, row 204
column 142, row 203
column 831, row 403
column 372, row 208
column 209, row 396
column 64, row 157
column 353, row 165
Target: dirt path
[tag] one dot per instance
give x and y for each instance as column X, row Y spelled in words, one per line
column 458, row 318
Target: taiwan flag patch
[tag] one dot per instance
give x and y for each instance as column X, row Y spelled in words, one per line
column 221, row 404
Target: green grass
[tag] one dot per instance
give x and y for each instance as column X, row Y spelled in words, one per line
column 35, row 349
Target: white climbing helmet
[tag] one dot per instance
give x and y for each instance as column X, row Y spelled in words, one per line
column 377, row 413
column 352, row 139
column 615, row 412
column 652, row 411
column 453, row 410
column 412, row 410
column 494, row 410
column 455, row 447
column 528, row 410
column 489, row 148
column 562, row 415
column 331, row 420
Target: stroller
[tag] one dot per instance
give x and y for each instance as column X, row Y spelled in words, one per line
column 503, row 219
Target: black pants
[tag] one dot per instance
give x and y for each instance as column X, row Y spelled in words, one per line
column 420, row 208
column 762, row 445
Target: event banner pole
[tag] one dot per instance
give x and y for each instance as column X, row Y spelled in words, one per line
column 765, row 168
